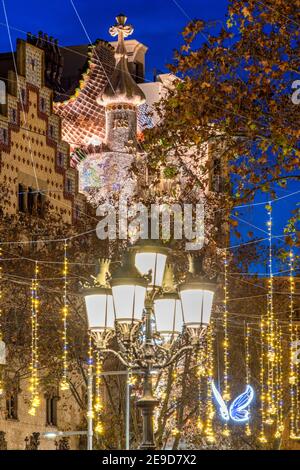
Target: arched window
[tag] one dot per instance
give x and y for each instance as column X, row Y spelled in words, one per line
column 21, row 198
column 40, row 204
column 51, row 410
column 2, row 92
column 30, row 200
column 42, row 104
column 69, row 186
column 12, row 395
column 60, row 159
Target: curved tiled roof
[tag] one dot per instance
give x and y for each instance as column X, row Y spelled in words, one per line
column 82, row 117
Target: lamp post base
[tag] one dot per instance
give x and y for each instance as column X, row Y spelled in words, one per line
column 147, row 405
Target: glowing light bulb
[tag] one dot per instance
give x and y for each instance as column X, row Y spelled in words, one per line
column 99, row 429
column 200, row 425
column 64, row 386
column 36, row 402
column 32, row 411
column 211, row 439
column 98, row 407
column 262, row 438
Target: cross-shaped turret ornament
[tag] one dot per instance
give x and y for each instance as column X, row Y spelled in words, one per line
column 121, row 29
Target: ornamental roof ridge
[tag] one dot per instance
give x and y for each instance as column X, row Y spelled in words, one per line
column 103, row 42
column 87, row 69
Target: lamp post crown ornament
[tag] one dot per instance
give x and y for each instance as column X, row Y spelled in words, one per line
column 100, row 279
column 103, row 272
column 168, row 280
column 197, row 273
column 127, row 271
column 196, row 265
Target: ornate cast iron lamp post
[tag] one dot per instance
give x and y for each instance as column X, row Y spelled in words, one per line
column 128, row 304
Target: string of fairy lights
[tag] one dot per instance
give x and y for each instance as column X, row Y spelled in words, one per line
column 294, row 367
column 201, row 374
column 270, row 335
column 210, row 408
column 248, row 370
column 280, row 385
column 226, row 392
column 98, row 405
column 297, row 391
column 262, row 435
column 64, row 384
column 34, row 366
column 90, row 371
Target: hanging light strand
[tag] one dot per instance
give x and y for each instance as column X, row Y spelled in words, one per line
column 270, row 333
column 209, row 432
column 226, row 393
column 297, row 388
column 34, row 379
column 292, row 372
column 177, row 382
column 64, row 385
column 98, row 405
column 201, row 372
column 279, row 383
column 90, row 411
column 248, row 369
column 262, row 435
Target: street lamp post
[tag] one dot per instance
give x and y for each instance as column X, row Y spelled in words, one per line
column 126, row 309
column 148, row 403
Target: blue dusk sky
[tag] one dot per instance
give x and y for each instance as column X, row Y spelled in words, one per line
column 158, row 24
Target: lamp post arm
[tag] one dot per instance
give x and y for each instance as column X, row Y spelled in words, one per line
column 176, row 356
column 118, row 355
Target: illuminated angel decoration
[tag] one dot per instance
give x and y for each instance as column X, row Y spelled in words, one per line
column 238, row 410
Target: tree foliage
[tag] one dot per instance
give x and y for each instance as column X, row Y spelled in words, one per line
column 234, row 92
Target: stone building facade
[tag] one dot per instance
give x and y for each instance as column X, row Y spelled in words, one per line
column 34, row 159
column 58, row 411
column 35, row 169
